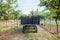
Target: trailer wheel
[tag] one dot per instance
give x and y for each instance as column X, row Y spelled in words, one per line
column 24, row 29
column 36, row 29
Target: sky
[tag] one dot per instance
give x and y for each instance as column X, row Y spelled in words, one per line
column 27, row 5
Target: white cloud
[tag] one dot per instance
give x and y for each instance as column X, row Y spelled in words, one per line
column 26, row 11
column 27, row 5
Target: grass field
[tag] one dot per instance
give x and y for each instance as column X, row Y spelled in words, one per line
column 41, row 35
column 52, row 23
column 8, row 27
column 18, row 35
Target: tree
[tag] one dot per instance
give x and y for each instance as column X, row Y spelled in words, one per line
column 53, row 6
column 7, row 11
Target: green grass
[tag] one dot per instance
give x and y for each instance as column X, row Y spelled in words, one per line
column 41, row 35
column 29, row 36
column 54, row 37
column 53, row 25
column 8, row 27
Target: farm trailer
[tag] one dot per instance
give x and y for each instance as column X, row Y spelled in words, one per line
column 30, row 23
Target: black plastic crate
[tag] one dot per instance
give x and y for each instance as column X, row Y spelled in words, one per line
column 30, row 20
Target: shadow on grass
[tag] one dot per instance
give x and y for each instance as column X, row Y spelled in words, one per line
column 20, row 31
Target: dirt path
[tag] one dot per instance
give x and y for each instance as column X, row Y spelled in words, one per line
column 18, row 35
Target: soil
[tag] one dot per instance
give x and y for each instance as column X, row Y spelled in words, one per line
column 16, row 34
column 52, row 30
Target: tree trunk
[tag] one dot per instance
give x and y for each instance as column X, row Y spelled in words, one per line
column 56, row 23
column 50, row 23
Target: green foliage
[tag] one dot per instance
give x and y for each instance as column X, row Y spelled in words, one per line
column 37, row 12
column 11, row 1
column 52, row 5
column 7, row 11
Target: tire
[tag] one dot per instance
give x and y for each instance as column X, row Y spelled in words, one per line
column 36, row 29
column 23, row 30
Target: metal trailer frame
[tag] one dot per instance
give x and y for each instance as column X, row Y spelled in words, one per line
column 26, row 27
